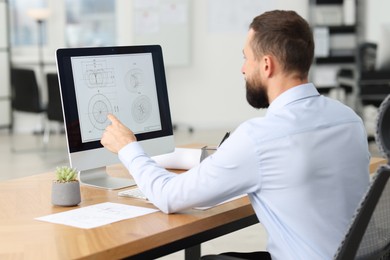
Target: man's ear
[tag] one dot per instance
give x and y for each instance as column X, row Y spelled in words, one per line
column 268, row 65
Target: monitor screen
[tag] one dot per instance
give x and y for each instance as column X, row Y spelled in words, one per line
column 126, row 81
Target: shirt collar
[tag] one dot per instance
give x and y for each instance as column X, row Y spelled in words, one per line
column 293, row 94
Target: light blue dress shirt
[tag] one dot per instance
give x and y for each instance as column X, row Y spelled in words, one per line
column 304, row 166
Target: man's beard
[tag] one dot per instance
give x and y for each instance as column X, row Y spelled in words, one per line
column 256, row 94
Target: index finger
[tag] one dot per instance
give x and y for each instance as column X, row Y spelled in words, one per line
column 113, row 118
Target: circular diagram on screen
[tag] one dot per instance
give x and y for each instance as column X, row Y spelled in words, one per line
column 134, row 80
column 99, row 108
column 141, row 109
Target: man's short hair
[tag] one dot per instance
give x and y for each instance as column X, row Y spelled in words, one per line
column 286, row 36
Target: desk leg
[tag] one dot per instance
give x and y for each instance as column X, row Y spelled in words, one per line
column 192, row 253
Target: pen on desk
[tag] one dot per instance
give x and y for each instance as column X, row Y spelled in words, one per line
column 224, row 138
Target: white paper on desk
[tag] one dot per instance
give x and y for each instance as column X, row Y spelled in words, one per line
column 181, row 158
column 96, row 215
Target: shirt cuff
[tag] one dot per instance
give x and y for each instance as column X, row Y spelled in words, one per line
column 130, row 152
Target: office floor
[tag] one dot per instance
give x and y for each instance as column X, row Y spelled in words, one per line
column 24, row 155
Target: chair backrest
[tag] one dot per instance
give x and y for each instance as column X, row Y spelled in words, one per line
column 25, row 91
column 368, row 236
column 366, row 56
column 54, row 107
column 373, row 84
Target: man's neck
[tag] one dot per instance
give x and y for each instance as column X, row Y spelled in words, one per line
column 278, row 85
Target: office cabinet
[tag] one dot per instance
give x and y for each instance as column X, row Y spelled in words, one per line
column 335, row 29
column 5, row 88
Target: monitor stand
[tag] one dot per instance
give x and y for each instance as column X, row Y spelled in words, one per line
column 99, row 178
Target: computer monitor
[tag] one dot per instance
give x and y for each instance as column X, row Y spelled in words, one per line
column 127, row 81
column 383, row 52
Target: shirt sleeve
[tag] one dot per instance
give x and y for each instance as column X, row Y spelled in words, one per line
column 231, row 171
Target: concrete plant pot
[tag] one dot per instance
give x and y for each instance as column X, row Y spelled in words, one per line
column 65, row 193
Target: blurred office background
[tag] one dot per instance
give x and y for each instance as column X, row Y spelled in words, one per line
column 202, row 42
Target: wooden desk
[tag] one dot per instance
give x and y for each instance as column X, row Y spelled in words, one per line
column 146, row 237
column 375, row 163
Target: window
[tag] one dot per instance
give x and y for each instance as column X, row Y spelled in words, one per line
column 90, row 23
column 87, row 23
column 24, row 29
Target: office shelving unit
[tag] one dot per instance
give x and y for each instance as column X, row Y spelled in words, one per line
column 343, row 58
column 339, row 22
column 5, row 86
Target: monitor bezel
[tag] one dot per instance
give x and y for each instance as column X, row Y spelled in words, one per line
column 68, row 93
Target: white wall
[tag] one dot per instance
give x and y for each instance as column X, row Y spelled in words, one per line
column 378, row 29
column 377, row 14
column 210, row 92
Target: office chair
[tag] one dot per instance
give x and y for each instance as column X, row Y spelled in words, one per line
column 25, row 92
column 350, row 79
column 373, row 83
column 382, row 136
column 25, row 96
column 368, row 236
column 54, row 107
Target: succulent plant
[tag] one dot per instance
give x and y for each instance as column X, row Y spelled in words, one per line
column 66, row 174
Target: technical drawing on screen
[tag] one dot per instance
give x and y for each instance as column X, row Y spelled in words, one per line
column 100, row 85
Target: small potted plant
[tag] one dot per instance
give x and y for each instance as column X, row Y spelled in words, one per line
column 66, row 188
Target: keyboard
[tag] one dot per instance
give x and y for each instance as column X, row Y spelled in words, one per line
column 132, row 193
